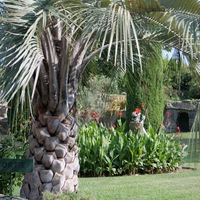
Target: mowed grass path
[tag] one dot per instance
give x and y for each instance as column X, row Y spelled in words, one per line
column 173, row 186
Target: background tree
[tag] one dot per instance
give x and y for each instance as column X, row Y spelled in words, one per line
column 146, row 88
column 181, row 80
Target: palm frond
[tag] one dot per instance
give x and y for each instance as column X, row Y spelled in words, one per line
column 21, row 50
column 181, row 19
column 191, row 7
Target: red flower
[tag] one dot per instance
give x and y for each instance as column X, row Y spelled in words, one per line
column 168, row 113
column 120, row 113
column 161, row 125
column 93, row 114
column 99, row 115
column 137, row 110
column 178, row 128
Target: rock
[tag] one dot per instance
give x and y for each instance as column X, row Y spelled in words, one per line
column 75, row 180
column 71, row 142
column 52, row 124
column 46, row 176
column 75, row 166
column 63, row 132
column 43, row 119
column 46, row 187
column 22, row 193
column 58, row 165
column 39, row 152
column 34, row 193
column 36, row 180
column 69, row 171
column 28, row 153
column 50, row 143
column 74, row 149
column 48, row 159
column 61, row 150
column 68, row 186
column 42, row 134
column 69, row 157
column 57, row 189
column 26, row 190
column 33, row 143
column 38, row 167
column 35, row 126
column 58, row 179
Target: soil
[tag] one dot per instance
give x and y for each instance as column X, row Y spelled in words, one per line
column 181, row 170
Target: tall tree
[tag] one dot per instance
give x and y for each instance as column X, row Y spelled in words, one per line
column 46, row 45
column 145, row 89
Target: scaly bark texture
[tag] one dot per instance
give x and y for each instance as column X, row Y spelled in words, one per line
column 55, row 131
column 54, row 150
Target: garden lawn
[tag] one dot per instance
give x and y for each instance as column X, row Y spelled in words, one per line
column 173, row 186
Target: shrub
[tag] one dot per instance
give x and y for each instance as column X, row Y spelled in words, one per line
column 11, row 148
column 108, row 151
column 14, row 144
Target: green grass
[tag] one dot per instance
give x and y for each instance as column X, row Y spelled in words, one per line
column 172, row 186
column 183, row 186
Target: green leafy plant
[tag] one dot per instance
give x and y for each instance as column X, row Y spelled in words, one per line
column 11, row 147
column 109, row 151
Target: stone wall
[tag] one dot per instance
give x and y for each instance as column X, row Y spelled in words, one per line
column 180, row 114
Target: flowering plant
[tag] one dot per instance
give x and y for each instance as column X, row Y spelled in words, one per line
column 88, row 116
column 136, row 114
column 138, row 118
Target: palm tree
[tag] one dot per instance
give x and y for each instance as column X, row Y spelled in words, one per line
column 46, row 45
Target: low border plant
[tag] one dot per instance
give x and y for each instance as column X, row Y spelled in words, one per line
column 109, row 151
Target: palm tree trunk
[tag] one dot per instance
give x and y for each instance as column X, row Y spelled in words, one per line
column 53, row 148
column 52, row 144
